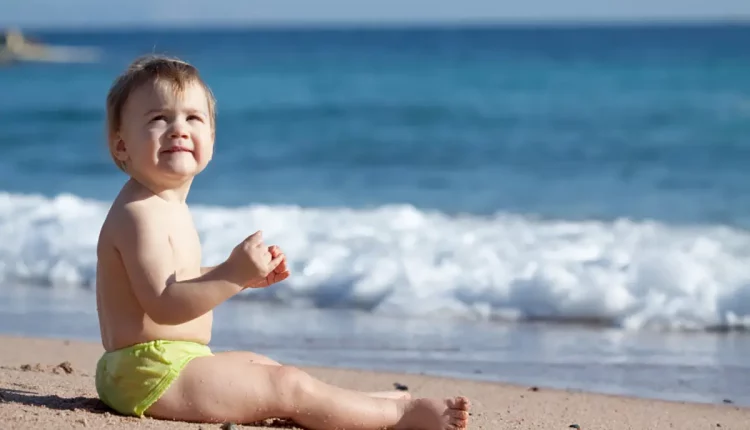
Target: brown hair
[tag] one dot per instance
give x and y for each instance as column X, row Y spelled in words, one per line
column 149, row 69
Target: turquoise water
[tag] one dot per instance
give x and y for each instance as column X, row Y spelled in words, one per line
column 473, row 177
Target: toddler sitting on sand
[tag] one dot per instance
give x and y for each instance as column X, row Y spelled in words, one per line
column 155, row 301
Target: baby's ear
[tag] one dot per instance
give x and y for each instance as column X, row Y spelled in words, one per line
column 119, row 149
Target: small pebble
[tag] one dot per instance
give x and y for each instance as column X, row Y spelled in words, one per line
column 400, row 387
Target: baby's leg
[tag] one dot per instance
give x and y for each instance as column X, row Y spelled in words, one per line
column 395, row 395
column 251, row 357
column 230, row 388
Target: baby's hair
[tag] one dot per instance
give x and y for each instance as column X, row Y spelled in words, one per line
column 150, row 69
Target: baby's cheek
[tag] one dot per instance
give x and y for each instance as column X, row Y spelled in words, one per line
column 205, row 153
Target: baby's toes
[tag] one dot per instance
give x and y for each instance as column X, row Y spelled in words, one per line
column 459, row 403
column 457, row 415
column 458, row 420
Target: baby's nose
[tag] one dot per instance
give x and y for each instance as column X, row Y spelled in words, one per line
column 178, row 131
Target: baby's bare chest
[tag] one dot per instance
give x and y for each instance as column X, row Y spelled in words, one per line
column 186, row 246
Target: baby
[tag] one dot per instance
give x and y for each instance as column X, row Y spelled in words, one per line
column 155, row 301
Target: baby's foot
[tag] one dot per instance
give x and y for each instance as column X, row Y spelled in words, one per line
column 435, row 414
column 393, row 395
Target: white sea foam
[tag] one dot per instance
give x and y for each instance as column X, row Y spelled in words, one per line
column 400, row 260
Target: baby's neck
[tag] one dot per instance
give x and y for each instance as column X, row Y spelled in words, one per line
column 177, row 193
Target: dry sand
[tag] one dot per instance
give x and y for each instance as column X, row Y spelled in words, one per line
column 48, row 384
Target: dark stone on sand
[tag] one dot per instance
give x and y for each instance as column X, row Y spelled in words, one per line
column 29, row 368
column 400, row 387
column 534, row 389
column 65, row 367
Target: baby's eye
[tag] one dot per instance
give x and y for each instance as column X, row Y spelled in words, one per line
column 159, row 118
column 194, row 118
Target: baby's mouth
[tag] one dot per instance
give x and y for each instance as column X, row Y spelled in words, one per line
column 177, row 148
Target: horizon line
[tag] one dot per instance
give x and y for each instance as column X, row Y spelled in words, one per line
column 392, row 24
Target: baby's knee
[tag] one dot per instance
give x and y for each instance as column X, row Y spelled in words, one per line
column 292, row 380
column 292, row 386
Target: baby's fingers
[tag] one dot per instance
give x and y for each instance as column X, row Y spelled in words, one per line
column 274, row 263
column 278, row 277
column 282, row 266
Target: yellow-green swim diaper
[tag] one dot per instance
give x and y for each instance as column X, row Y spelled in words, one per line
column 130, row 380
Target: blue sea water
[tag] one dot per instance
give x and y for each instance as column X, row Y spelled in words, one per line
column 438, row 191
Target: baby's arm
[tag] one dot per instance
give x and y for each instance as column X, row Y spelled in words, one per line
column 147, row 255
column 206, row 269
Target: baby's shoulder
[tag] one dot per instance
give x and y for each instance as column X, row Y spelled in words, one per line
column 133, row 218
column 134, row 211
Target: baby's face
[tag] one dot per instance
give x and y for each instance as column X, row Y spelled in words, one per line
column 166, row 136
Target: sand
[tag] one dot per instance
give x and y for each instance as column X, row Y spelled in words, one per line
column 48, row 384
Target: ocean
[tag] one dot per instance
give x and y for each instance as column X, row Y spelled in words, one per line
column 555, row 206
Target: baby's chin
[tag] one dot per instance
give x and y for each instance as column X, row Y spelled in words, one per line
column 186, row 169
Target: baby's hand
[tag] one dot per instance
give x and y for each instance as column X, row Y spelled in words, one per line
column 275, row 252
column 251, row 260
column 277, row 275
